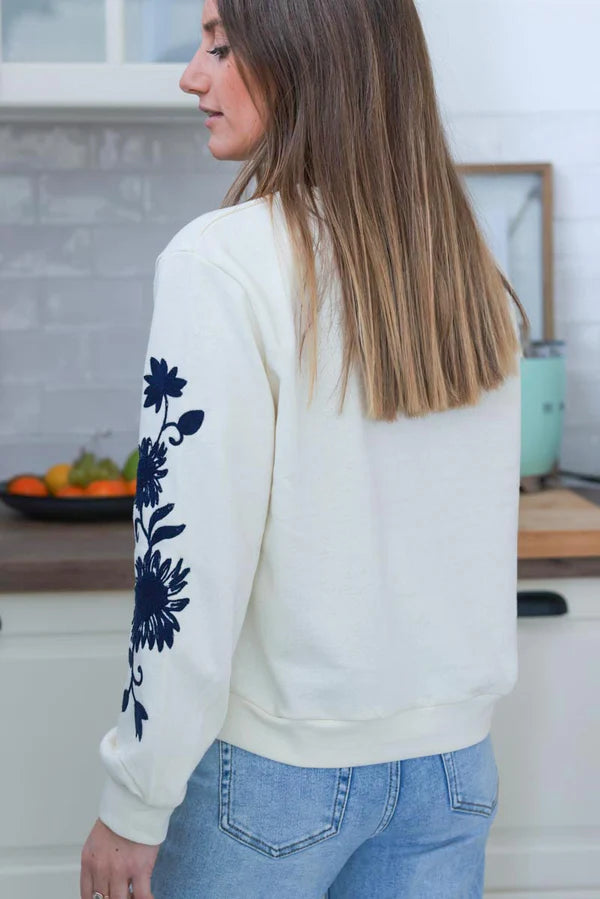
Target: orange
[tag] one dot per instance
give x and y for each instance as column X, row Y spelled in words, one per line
column 28, row 485
column 131, row 486
column 106, row 488
column 57, row 476
column 70, row 490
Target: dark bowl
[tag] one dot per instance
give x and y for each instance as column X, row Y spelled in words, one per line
column 70, row 508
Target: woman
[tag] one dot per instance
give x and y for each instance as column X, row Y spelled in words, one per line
column 325, row 595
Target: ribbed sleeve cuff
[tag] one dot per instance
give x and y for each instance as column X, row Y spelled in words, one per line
column 131, row 818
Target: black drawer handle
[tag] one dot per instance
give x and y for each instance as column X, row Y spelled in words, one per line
column 535, row 603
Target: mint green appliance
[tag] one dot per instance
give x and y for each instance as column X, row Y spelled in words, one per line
column 543, row 388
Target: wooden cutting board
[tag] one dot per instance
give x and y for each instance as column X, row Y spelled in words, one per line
column 557, row 523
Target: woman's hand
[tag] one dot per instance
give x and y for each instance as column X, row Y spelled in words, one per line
column 109, row 862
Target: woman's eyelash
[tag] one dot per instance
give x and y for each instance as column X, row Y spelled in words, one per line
column 220, row 52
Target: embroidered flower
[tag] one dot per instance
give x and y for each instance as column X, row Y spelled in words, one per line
column 162, row 383
column 150, row 470
column 157, row 581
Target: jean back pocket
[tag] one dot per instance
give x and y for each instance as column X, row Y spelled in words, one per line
column 472, row 778
column 276, row 808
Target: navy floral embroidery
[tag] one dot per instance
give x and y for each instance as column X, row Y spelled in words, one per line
column 151, row 459
column 157, row 582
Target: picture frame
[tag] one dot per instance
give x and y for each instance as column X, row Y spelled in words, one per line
column 513, row 203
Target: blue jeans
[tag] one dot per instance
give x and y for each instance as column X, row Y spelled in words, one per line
column 253, row 828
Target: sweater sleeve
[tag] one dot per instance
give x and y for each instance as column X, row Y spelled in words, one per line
column 206, row 438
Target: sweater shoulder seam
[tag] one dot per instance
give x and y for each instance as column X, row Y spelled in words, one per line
column 243, row 287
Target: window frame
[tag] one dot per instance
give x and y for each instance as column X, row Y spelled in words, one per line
column 94, row 85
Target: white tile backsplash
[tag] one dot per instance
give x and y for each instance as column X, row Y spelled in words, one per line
column 43, row 147
column 17, row 199
column 73, row 304
column 44, row 252
column 84, row 211
column 87, row 198
column 126, row 251
column 19, row 304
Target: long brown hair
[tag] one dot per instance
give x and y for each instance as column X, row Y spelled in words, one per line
column 352, row 116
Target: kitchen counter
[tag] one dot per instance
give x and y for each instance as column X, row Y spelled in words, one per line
column 49, row 556
column 559, row 522
column 55, row 555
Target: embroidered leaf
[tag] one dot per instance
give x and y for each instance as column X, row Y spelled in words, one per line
column 167, row 533
column 159, row 514
column 125, row 700
column 140, row 715
column 190, row 422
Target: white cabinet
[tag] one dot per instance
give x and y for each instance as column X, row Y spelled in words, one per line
column 97, row 53
column 545, row 841
column 63, row 665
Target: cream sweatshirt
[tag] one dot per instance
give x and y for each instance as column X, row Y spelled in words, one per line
column 321, row 589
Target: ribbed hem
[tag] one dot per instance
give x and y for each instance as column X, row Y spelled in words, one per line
column 131, row 818
column 327, row 743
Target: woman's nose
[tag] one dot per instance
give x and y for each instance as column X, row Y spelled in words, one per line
column 194, row 79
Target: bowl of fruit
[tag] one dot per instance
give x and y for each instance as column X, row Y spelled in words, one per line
column 87, row 489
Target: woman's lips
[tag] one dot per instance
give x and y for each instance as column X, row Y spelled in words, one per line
column 210, row 115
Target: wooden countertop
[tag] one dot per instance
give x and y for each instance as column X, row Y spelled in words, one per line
column 559, row 536
column 558, row 522
column 55, row 555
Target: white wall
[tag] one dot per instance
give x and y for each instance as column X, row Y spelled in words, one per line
column 494, row 57
column 519, row 81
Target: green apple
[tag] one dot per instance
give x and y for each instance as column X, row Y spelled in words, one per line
column 131, row 465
